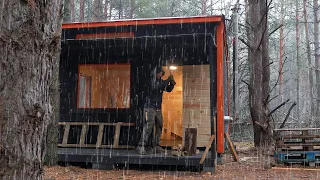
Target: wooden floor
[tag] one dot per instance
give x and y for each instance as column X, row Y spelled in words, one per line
column 122, row 156
column 170, row 142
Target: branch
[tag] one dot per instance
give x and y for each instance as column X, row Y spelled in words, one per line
column 287, row 116
column 279, row 75
column 272, row 98
column 249, row 87
column 245, row 83
column 262, row 126
column 267, row 10
column 244, row 42
column 282, row 104
column 275, row 29
column 268, row 64
column 266, row 26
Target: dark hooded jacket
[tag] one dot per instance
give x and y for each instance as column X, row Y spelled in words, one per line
column 156, row 88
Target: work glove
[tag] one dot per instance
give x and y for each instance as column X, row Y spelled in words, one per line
column 173, row 82
column 170, row 78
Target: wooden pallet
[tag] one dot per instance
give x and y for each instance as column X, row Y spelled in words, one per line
column 299, row 145
column 84, row 131
column 310, row 157
column 297, row 139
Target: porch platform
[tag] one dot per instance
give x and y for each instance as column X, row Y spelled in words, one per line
column 107, row 158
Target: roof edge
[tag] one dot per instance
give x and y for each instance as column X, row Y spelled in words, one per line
column 147, row 21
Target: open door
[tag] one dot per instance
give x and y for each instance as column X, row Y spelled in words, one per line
column 172, row 109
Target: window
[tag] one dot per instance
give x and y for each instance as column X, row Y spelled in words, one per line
column 84, row 91
column 104, row 86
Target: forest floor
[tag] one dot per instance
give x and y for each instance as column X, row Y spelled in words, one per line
column 250, row 167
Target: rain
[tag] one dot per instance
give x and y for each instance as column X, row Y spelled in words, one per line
column 173, row 89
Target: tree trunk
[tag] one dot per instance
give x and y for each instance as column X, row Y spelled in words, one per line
column 29, row 47
column 298, row 59
column 97, row 10
column 82, row 10
column 260, row 72
column 317, row 52
column 281, row 53
column 66, row 11
column 308, row 56
column 203, row 7
column 132, row 6
column 73, row 16
column 106, row 4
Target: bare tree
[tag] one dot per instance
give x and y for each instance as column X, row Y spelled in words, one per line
column 66, row 11
column 260, row 72
column 97, row 10
column 72, row 11
column 305, row 15
column 203, row 7
column 82, row 10
column 281, row 51
column 29, row 48
column 317, row 52
column 106, row 8
column 298, row 58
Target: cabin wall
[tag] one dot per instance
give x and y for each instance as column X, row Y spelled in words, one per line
column 189, row 102
column 196, row 101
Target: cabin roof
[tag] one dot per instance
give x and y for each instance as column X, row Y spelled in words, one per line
column 147, row 21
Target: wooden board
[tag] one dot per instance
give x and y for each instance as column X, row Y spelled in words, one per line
column 190, row 141
column 203, row 157
column 297, row 129
column 196, row 101
column 231, row 146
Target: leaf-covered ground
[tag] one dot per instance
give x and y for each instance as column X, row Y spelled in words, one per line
column 249, row 168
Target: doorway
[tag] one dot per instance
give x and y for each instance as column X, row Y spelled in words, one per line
column 172, row 108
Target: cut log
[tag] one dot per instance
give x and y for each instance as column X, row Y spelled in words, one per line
column 190, row 141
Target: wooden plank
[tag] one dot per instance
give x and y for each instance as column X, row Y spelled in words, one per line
column 94, row 146
column 296, row 136
column 94, row 124
column 77, row 145
column 116, row 135
column 193, row 99
column 233, row 151
column 100, row 135
column 66, row 134
column 296, row 169
column 299, row 144
column 297, row 129
column 190, row 141
column 83, row 134
column 203, row 157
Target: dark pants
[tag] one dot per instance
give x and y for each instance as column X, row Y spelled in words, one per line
column 152, row 118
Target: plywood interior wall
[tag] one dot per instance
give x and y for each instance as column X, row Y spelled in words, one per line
column 196, row 101
column 110, row 86
column 172, row 107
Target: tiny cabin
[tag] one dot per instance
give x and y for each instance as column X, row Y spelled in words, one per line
column 104, row 67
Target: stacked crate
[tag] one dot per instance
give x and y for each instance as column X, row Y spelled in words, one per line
column 196, row 101
column 298, row 146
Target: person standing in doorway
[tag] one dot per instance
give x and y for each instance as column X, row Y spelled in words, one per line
column 152, row 111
